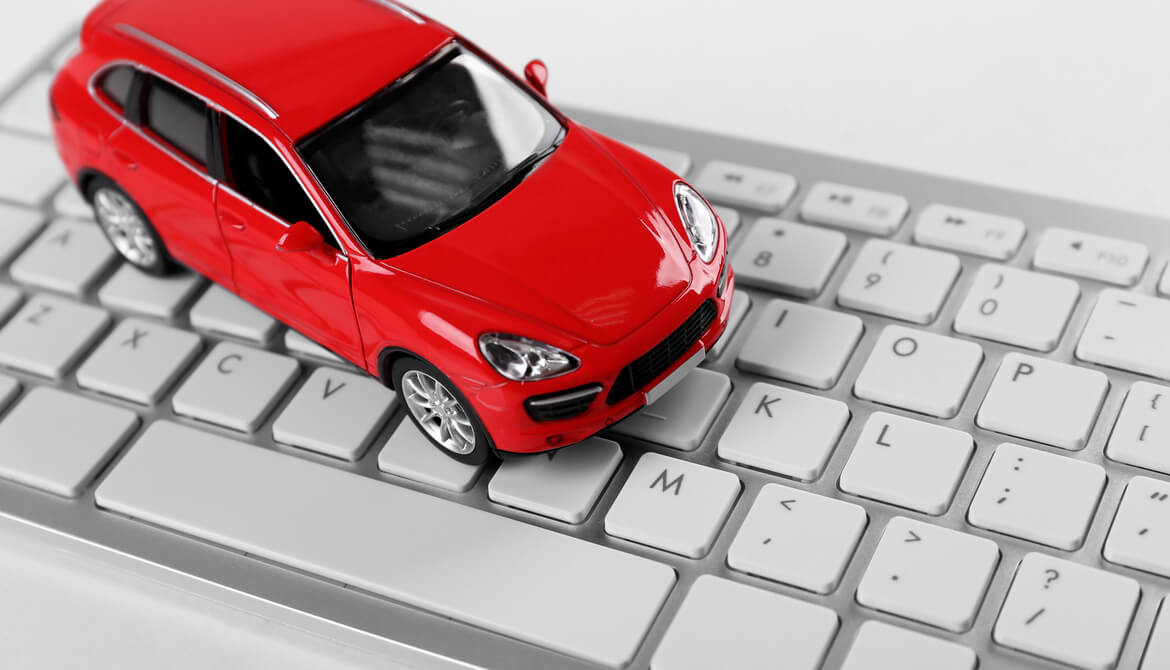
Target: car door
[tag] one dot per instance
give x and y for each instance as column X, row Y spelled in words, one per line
column 160, row 157
column 259, row 197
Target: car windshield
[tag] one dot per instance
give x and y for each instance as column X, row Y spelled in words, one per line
column 430, row 152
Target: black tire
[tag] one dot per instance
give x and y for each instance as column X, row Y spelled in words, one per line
column 163, row 264
column 482, row 443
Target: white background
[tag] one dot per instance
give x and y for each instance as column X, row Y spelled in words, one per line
column 1070, row 99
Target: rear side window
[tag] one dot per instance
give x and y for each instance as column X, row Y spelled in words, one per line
column 177, row 117
column 115, row 85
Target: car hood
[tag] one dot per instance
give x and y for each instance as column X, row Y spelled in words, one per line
column 577, row 245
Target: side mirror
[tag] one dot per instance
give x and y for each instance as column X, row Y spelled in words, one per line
column 536, row 73
column 300, row 236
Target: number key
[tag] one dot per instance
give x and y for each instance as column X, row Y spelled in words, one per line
column 899, row 281
column 1027, row 309
column 788, row 257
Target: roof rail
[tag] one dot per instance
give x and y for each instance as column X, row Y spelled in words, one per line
column 392, row 5
column 152, row 41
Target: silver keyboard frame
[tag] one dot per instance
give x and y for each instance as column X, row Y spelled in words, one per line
column 414, row 638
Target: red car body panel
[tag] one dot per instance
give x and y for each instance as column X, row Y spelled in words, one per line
column 587, row 253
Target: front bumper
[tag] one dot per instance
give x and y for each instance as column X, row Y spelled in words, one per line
column 511, row 422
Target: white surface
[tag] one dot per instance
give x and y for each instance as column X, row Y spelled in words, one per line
column 1051, row 97
column 1027, row 309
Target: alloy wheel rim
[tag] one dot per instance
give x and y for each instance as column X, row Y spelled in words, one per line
column 438, row 412
column 125, row 227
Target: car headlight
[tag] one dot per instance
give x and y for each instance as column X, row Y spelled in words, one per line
column 700, row 222
column 521, row 359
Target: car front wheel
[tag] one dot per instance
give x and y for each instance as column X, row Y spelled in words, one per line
column 440, row 411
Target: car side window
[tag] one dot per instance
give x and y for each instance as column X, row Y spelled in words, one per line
column 254, row 170
column 177, row 117
column 115, row 85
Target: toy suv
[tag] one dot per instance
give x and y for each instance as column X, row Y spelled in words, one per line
column 378, row 183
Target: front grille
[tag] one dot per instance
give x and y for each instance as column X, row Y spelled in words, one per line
column 562, row 404
column 656, row 361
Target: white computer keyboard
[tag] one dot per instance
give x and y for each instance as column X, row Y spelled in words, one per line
column 936, row 437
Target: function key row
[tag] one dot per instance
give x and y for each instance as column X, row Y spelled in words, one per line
column 992, row 236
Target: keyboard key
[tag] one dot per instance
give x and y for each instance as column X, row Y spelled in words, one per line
column 880, row 646
column 1142, row 427
column 299, row 344
column 742, row 186
column 562, row 485
column 1027, row 309
column 801, row 344
column 335, row 413
column 1090, row 256
column 30, row 170
column 899, row 281
column 67, row 257
column 723, row 624
column 907, row 463
column 1044, row 401
column 220, row 311
column 797, row 538
column 970, row 232
column 681, row 418
column 1037, row 496
column 673, row 505
column 1128, row 331
column 929, row 574
column 68, row 202
column 17, row 227
column 235, row 386
column 135, row 291
column 56, row 441
column 854, row 208
column 1067, row 612
column 1157, row 654
column 1140, row 535
column 730, row 217
column 741, row 303
column 919, row 371
column 27, row 108
column 49, row 334
column 784, row 431
column 675, row 161
column 408, row 453
column 10, row 299
column 499, row 574
column 788, row 257
column 139, row 361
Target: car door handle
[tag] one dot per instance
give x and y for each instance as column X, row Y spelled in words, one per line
column 125, row 160
column 234, row 221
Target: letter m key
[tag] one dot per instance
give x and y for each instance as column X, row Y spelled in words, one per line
column 663, row 480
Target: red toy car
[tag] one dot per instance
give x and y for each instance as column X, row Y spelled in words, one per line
column 378, row 183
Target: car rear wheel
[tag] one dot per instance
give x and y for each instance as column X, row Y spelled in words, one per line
column 126, row 227
column 440, row 411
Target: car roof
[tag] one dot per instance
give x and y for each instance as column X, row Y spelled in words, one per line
column 309, row 61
